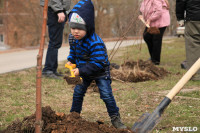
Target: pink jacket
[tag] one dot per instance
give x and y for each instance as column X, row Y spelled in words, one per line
column 156, row 11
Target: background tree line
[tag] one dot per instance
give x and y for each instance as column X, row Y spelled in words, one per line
column 113, row 18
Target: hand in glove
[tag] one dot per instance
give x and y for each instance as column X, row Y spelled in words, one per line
column 181, row 23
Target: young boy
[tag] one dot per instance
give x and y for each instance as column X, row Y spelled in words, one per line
column 88, row 52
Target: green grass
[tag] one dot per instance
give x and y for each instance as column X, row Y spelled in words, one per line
column 17, row 92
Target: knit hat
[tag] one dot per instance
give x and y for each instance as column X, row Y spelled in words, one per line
column 77, row 22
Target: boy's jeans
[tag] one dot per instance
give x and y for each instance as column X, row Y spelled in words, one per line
column 55, row 31
column 106, row 95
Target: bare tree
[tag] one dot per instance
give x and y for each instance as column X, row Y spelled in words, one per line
column 112, row 18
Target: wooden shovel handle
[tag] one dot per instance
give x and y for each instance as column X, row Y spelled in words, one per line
column 144, row 22
column 175, row 90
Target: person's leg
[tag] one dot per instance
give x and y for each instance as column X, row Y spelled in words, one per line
column 192, row 44
column 55, row 31
column 106, row 95
column 148, row 39
column 79, row 93
column 157, row 46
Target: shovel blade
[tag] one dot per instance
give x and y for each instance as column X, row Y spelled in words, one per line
column 147, row 122
column 140, row 122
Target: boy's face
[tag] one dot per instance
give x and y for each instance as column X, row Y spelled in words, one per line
column 77, row 33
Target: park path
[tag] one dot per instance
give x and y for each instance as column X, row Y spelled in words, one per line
column 15, row 60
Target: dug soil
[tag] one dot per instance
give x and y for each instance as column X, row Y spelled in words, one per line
column 73, row 80
column 139, row 71
column 60, row 123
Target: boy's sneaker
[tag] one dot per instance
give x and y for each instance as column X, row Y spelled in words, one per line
column 116, row 122
column 50, row 74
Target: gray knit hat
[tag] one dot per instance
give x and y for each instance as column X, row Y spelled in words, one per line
column 76, row 22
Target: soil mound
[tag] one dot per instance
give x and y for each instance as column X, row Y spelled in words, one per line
column 132, row 71
column 61, row 123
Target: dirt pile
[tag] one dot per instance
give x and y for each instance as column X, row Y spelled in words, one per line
column 132, row 71
column 61, row 123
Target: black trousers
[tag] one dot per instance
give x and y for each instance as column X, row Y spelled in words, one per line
column 154, row 43
column 55, row 30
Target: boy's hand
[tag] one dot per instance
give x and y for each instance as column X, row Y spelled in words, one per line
column 69, row 63
column 76, row 72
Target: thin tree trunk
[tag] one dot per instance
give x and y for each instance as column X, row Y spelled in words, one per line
column 38, row 123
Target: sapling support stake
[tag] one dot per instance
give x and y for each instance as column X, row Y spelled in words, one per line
column 38, row 121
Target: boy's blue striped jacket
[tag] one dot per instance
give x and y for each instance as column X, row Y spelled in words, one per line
column 90, row 55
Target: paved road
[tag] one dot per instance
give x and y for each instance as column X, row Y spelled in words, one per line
column 19, row 60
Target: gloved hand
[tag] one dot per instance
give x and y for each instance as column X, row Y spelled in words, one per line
column 181, row 23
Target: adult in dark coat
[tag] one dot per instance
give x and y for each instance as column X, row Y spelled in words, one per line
column 188, row 14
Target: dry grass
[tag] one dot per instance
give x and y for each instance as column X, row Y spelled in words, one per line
column 17, row 93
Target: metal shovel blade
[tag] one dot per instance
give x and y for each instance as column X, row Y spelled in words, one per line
column 147, row 122
column 140, row 122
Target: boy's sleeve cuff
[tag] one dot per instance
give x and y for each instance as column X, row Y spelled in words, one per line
column 88, row 70
column 72, row 61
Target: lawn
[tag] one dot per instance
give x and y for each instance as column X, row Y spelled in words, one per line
column 17, row 92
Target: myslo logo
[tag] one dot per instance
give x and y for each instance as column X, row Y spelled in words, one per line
column 185, row 129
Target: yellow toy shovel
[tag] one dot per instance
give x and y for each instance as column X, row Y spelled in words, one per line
column 72, row 79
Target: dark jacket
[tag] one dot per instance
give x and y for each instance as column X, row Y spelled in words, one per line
column 192, row 8
column 89, row 53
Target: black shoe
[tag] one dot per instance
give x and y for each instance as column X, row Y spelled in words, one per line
column 50, row 74
column 116, row 122
column 156, row 63
column 184, row 64
column 58, row 74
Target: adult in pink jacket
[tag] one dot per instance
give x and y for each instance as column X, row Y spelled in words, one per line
column 156, row 14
